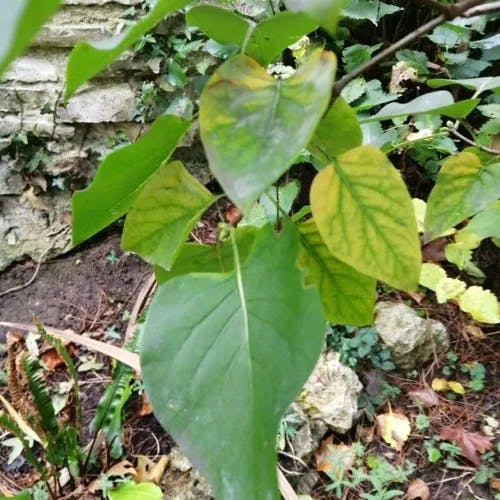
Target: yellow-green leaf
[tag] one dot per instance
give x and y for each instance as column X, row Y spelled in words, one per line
column 348, row 296
column 431, row 275
column 458, row 254
column 365, row 216
column 164, row 214
column 456, row 387
column 439, row 384
column 463, row 188
column 449, row 288
column 254, row 126
column 481, row 304
column 324, row 12
column 420, row 207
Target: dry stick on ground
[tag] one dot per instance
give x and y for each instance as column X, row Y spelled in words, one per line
column 142, row 298
column 465, row 8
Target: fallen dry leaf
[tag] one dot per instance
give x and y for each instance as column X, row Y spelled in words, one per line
column 439, row 384
column 418, row 489
column 52, row 360
column 394, row 428
column 434, row 251
column 147, row 470
column 426, row 397
column 495, row 483
column 233, row 214
column 123, row 468
column 470, row 443
column 456, row 387
column 334, row 459
column 474, row 332
column 145, row 408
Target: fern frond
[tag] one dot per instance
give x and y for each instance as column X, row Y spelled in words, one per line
column 65, row 356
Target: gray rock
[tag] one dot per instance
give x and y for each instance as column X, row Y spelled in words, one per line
column 410, row 339
column 29, row 69
column 331, row 393
column 11, row 183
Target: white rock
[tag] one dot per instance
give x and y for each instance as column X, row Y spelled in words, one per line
column 30, row 69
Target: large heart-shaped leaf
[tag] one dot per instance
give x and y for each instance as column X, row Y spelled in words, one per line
column 485, row 224
column 254, row 126
column 122, row 175
column 264, row 41
column 222, row 357
column 164, row 213
column 87, row 60
column 464, row 187
column 338, row 131
column 19, row 22
column 365, row 216
column 324, row 12
column 348, row 296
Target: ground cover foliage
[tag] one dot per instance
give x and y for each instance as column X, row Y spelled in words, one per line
column 342, row 161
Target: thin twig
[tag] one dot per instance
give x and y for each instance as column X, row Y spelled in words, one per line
column 141, row 299
column 470, row 142
column 480, row 10
column 452, row 11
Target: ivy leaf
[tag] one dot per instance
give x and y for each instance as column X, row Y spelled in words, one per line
column 348, row 296
column 337, row 132
column 254, row 126
column 463, row 188
column 132, row 491
column 263, row 41
column 325, row 12
column 208, row 358
column 365, row 216
column 481, row 304
column 449, row 288
column 19, row 23
column 431, row 275
column 164, row 214
column 87, row 60
column 121, row 176
column 372, row 10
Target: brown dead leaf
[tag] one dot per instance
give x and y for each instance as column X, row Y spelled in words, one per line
column 123, row 468
column 52, row 360
column 338, row 457
column 233, row 214
column 470, row 443
column 426, row 397
column 434, row 251
column 417, row 297
column 418, row 489
column 474, row 332
column 495, row 483
column 148, row 470
column 145, row 408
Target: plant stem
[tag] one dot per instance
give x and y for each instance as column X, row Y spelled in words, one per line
column 449, row 12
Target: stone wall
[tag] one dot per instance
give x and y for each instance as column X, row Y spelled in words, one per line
column 46, row 149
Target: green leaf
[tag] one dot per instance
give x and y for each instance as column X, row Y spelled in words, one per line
column 357, row 54
column 485, row 224
column 195, row 258
column 481, row 304
column 164, row 213
column 440, row 102
column 19, row 23
column 273, row 35
column 463, row 188
column 431, row 275
column 458, row 254
column 122, row 175
column 254, row 126
column 208, row 358
column 348, row 296
column 337, row 132
column 372, row 10
column 325, row 12
column 87, row 60
column 133, row 491
column 365, row 216
column 478, row 84
column 263, row 41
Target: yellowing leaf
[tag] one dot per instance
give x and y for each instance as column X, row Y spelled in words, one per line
column 431, row 275
column 419, row 207
column 439, row 385
column 365, row 217
column 467, row 240
column 456, row 387
column 394, row 429
column 449, row 288
column 253, row 126
column 481, row 304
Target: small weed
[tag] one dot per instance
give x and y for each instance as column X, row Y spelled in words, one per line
column 422, row 422
column 287, row 429
column 112, row 258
